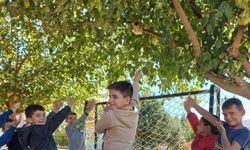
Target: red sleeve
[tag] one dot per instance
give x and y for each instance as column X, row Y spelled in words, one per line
column 193, row 120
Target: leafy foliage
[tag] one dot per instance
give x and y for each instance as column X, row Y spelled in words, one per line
column 61, row 137
column 53, row 49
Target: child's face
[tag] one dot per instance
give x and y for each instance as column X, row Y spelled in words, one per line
column 71, row 119
column 202, row 129
column 37, row 118
column 233, row 115
column 117, row 100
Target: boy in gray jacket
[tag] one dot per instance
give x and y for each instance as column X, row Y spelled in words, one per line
column 120, row 119
column 74, row 129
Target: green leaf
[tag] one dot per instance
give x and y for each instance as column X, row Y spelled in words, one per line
column 218, row 43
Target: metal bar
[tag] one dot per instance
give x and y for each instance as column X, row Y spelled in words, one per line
column 166, row 96
column 211, row 100
column 217, row 90
column 85, row 106
column 96, row 117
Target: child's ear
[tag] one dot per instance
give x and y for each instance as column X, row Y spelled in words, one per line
column 243, row 112
column 128, row 100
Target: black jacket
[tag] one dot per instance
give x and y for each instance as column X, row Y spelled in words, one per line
column 39, row 137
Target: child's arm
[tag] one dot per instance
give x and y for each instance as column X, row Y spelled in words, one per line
column 6, row 137
column 12, row 109
column 135, row 97
column 56, row 107
column 224, row 139
column 79, row 123
column 50, row 126
column 105, row 122
column 202, row 111
column 192, row 118
column 4, row 116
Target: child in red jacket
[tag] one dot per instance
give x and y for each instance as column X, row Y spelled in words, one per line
column 205, row 133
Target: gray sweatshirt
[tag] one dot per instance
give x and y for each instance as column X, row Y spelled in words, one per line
column 75, row 133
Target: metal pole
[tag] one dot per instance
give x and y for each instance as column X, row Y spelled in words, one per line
column 211, row 100
column 85, row 106
column 217, row 89
column 96, row 117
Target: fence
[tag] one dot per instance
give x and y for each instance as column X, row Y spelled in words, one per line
column 162, row 120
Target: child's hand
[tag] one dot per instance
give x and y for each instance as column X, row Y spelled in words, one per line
column 220, row 127
column 16, row 122
column 91, row 106
column 14, row 106
column 191, row 101
column 137, row 76
column 70, row 101
column 187, row 106
column 107, row 107
column 57, row 105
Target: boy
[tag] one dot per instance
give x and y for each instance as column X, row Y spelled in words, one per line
column 233, row 135
column 119, row 121
column 75, row 127
column 205, row 133
column 6, row 137
column 38, row 136
column 15, row 144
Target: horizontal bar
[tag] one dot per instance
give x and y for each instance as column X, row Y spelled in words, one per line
column 166, row 96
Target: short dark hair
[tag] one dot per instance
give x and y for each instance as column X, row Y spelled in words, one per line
column 125, row 87
column 214, row 129
column 31, row 109
column 71, row 113
column 232, row 101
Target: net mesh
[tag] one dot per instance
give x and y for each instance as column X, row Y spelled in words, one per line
column 162, row 124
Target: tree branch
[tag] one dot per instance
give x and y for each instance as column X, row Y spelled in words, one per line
column 233, row 50
column 20, row 65
column 242, row 88
column 189, row 29
column 137, row 30
column 153, row 34
column 17, row 62
column 246, row 67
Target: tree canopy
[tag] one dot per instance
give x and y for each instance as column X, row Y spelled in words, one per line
column 52, row 49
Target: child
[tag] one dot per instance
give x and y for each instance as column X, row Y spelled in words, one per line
column 119, row 121
column 205, row 132
column 233, row 135
column 14, row 143
column 38, row 136
column 6, row 137
column 75, row 128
